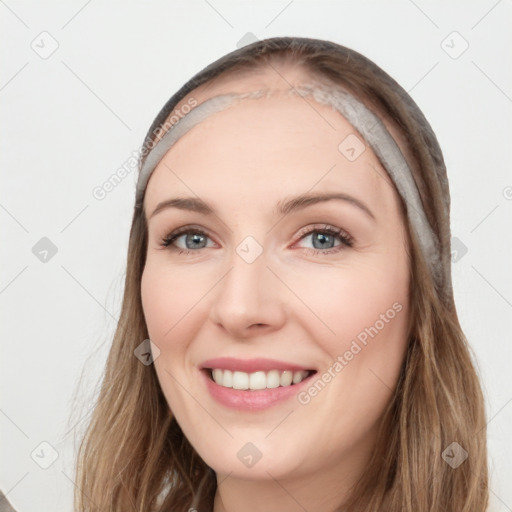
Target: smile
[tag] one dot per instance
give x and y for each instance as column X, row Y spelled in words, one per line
column 258, row 380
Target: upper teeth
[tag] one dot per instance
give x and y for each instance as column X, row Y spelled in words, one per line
column 257, row 380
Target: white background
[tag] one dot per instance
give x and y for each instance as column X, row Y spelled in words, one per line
column 70, row 120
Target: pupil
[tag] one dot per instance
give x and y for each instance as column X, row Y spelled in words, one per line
column 196, row 237
column 322, row 237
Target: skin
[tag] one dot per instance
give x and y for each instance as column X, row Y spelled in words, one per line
column 289, row 304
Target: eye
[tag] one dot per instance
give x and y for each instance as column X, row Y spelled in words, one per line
column 198, row 236
column 324, row 235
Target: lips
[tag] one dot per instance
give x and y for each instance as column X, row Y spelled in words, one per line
column 261, row 398
column 250, row 400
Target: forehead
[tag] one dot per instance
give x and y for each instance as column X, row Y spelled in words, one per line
column 278, row 124
column 271, row 146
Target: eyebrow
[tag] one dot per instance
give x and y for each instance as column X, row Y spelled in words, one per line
column 284, row 207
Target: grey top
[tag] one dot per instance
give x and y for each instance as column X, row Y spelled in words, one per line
column 5, row 506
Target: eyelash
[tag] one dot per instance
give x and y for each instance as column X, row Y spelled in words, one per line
column 346, row 239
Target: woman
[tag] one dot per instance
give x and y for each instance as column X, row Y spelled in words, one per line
column 255, row 372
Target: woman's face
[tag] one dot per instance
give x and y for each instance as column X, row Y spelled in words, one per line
column 263, row 280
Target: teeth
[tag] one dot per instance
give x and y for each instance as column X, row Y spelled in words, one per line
column 258, row 380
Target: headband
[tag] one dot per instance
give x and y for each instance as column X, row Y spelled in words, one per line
column 358, row 115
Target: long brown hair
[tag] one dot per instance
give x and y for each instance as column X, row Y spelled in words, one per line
column 134, row 456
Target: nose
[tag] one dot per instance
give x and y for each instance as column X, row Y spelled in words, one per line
column 250, row 299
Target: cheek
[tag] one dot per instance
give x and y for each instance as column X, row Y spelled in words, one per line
column 166, row 296
column 167, row 302
column 365, row 319
column 352, row 302
column 366, row 311
column 367, row 314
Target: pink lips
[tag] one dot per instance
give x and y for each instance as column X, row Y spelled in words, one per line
column 250, row 400
column 250, row 365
